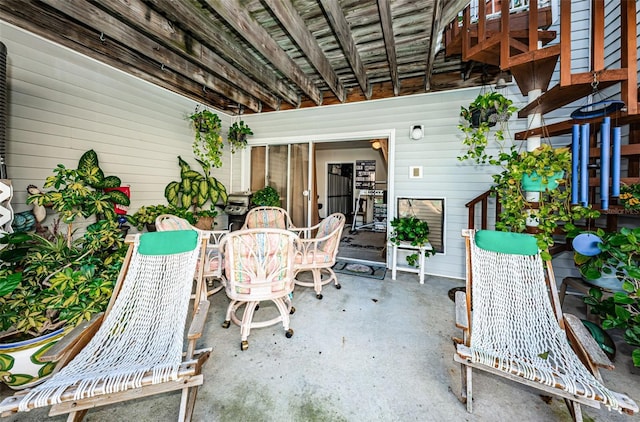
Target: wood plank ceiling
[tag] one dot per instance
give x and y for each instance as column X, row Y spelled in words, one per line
column 259, row 55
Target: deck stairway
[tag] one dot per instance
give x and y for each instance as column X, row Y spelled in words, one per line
column 519, row 41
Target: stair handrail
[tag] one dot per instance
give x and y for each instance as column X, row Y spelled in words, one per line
column 483, row 200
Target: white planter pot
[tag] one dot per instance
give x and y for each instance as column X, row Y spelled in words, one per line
column 20, row 366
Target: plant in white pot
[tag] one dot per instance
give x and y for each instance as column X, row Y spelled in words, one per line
column 50, row 283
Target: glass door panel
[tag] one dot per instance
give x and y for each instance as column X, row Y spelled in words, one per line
column 286, row 169
column 277, row 171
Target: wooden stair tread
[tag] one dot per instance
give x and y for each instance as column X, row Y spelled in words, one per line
column 559, row 96
column 565, row 127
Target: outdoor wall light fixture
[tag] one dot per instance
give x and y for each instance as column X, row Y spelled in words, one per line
column 416, row 132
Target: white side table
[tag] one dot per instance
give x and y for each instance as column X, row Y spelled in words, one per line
column 408, row 246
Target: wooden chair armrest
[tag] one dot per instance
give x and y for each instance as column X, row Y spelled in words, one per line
column 462, row 320
column 197, row 323
column 584, row 343
column 76, row 339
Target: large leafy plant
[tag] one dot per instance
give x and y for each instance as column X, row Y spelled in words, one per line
column 80, row 192
column 620, row 255
column 53, row 280
column 195, row 190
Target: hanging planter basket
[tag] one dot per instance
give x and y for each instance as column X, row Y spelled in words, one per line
column 535, row 183
column 483, row 115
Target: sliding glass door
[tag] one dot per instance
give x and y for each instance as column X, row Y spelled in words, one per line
column 287, row 169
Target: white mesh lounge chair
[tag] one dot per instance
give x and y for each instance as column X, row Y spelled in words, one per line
column 318, row 254
column 513, row 326
column 259, row 266
column 136, row 348
column 213, row 262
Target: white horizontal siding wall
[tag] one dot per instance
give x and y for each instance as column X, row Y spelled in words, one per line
column 444, row 175
column 62, row 104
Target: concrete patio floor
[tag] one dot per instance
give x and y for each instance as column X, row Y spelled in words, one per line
column 371, row 351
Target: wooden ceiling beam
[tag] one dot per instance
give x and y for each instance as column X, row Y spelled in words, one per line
column 52, row 26
column 386, row 21
column 343, row 33
column 436, row 28
column 104, row 23
column 237, row 17
column 147, row 21
column 295, row 26
column 220, row 41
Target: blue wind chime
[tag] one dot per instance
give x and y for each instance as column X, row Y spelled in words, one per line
column 588, row 243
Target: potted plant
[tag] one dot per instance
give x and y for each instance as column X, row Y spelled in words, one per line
column 237, row 137
column 413, row 231
column 194, row 191
column 620, row 257
column 146, row 215
column 552, row 210
column 52, row 282
column 266, row 197
column 483, row 113
column 208, row 144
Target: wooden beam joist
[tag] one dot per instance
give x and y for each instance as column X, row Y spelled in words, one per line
column 147, row 21
column 341, row 28
column 184, row 11
column 295, row 26
column 436, row 28
column 237, row 17
column 111, row 27
column 50, row 25
column 386, row 21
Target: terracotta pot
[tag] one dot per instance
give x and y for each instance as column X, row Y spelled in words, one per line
column 204, row 223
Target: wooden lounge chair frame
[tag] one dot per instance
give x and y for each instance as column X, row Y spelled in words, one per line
column 189, row 375
column 584, row 346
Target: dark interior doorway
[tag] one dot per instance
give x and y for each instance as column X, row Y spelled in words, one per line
column 340, row 189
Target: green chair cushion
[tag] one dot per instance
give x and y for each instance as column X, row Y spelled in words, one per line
column 506, row 242
column 168, row 243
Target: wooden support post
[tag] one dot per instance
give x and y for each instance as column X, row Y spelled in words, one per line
column 629, row 55
column 597, row 35
column 505, row 39
column 533, row 25
column 565, row 43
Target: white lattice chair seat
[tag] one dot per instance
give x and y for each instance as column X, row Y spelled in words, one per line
column 259, row 266
column 319, row 253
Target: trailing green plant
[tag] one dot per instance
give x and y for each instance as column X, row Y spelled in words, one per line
column 553, row 210
column 80, row 192
column 484, row 112
column 208, row 144
column 195, row 190
column 620, row 255
column 266, row 197
column 237, row 136
column 411, row 230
